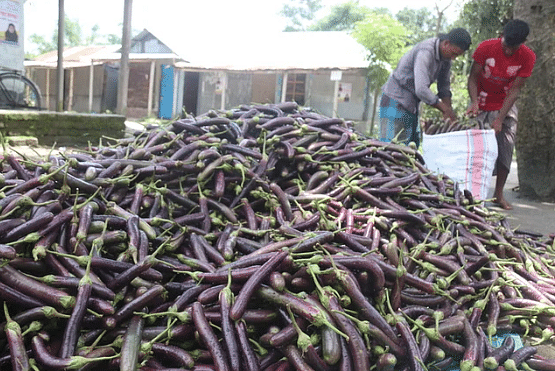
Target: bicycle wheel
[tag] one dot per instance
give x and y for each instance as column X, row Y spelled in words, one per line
column 18, row 92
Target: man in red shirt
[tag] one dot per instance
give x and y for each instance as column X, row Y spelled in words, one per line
column 499, row 71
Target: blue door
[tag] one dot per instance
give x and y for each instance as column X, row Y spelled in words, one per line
column 166, row 92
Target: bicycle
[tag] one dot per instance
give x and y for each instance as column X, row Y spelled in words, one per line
column 18, row 92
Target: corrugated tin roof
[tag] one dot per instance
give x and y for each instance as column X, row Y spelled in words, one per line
column 79, row 56
column 77, row 53
column 74, row 56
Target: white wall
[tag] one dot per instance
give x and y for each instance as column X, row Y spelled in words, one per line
column 320, row 95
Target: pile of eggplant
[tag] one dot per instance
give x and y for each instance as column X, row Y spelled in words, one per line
column 440, row 126
column 265, row 237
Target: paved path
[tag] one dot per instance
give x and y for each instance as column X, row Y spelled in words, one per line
column 526, row 215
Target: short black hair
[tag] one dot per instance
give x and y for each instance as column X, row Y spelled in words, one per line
column 459, row 37
column 515, row 32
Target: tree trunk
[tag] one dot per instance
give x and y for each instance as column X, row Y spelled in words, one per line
column 366, row 99
column 60, row 69
column 375, row 108
column 535, row 144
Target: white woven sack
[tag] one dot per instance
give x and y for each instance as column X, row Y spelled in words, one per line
column 466, row 156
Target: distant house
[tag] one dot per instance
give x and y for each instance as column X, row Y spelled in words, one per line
column 323, row 70
column 91, row 74
column 81, row 68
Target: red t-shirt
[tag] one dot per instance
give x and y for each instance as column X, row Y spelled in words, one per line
column 499, row 71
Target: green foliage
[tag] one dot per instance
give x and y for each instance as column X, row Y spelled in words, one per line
column 377, row 76
column 91, row 40
column 342, row 17
column 384, row 37
column 299, row 13
column 73, row 36
column 384, row 11
column 385, row 40
column 43, row 46
column 485, row 19
column 112, row 39
column 420, row 22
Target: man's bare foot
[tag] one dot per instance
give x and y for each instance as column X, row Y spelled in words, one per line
column 502, row 203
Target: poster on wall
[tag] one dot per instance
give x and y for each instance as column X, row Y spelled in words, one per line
column 344, row 92
column 10, row 21
column 12, row 34
column 219, row 87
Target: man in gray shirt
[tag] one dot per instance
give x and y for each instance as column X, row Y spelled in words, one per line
column 409, row 84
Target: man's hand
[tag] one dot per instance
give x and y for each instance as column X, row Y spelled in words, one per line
column 473, row 110
column 497, row 124
column 450, row 116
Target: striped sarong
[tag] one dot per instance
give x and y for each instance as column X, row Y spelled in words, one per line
column 396, row 123
column 505, row 138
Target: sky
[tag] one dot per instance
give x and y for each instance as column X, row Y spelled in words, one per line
column 189, row 17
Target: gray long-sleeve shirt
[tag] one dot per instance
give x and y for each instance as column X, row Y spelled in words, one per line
column 421, row 66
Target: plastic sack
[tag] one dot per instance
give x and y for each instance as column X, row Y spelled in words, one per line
column 466, row 156
column 497, row 339
column 496, row 342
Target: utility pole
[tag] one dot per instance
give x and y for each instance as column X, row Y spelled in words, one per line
column 123, row 77
column 60, row 69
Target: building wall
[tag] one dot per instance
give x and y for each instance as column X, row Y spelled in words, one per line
column 149, row 44
column 264, row 88
column 238, row 90
column 242, row 88
column 138, row 89
column 320, row 90
column 247, row 88
column 110, row 88
column 39, row 76
column 208, row 97
column 81, row 77
column 137, row 94
column 179, row 90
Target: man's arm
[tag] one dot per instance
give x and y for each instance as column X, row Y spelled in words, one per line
column 447, row 101
column 472, row 86
column 422, row 77
column 444, row 81
column 422, row 82
column 510, row 99
column 444, row 105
